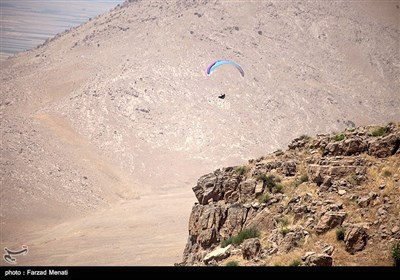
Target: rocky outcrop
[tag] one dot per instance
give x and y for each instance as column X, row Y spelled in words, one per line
column 221, row 184
column 385, row 146
column 298, row 199
column 355, row 238
column 376, row 141
column 314, row 259
column 251, row 248
column 329, row 221
column 263, row 220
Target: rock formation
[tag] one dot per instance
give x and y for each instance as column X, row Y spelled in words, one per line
column 328, row 200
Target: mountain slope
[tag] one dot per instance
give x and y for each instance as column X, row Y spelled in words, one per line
column 120, row 107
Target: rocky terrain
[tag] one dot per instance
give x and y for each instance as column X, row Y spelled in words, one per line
column 333, row 199
column 107, row 126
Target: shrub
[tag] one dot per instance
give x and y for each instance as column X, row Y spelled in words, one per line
column 387, row 173
column 339, row 137
column 241, row 170
column 238, row 239
column 262, row 177
column 299, row 180
column 278, row 188
column 295, row 262
column 232, row 263
column 269, row 181
column 303, row 178
column 340, row 233
column 284, row 221
column 379, row 131
column 396, row 253
column 285, row 231
column 304, row 137
column 354, row 180
column 263, row 198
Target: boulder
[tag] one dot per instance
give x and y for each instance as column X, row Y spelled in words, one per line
column 342, row 192
column 289, row 168
column 314, row 259
column 213, row 186
column 384, row 146
column 259, row 188
column 395, row 229
column 263, row 220
column 330, row 220
column 207, row 189
column 251, row 248
column 286, row 242
column 247, row 189
column 353, row 146
column 328, row 250
column 366, row 200
column 218, row 254
column 355, row 238
column 292, row 240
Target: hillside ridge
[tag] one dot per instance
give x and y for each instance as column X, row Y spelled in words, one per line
column 333, row 199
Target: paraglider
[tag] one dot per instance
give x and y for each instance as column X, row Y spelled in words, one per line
column 218, row 63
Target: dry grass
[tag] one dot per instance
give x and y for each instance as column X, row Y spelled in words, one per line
column 285, row 259
column 233, row 258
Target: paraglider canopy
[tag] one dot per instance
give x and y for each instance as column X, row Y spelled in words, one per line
column 218, row 63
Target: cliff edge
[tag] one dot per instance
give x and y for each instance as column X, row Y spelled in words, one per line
column 327, row 200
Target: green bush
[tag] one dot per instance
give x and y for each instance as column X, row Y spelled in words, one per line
column 232, row 263
column 238, row 239
column 339, row 137
column 270, row 181
column 379, row 131
column 304, row 137
column 278, row 188
column 263, row 198
column 396, row 253
column 299, row 180
column 303, row 178
column 340, row 233
column 387, row 173
column 295, row 262
column 283, row 220
column 242, row 170
column 285, row 231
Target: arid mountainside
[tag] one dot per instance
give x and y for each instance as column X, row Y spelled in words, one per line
column 117, row 115
column 328, row 200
